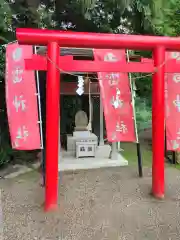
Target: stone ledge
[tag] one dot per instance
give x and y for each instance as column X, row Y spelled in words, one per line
column 18, row 170
column 90, row 163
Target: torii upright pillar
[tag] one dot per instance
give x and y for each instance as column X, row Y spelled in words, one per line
column 52, row 126
column 158, row 114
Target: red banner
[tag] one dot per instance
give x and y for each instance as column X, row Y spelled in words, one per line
column 172, row 98
column 21, row 99
column 117, row 98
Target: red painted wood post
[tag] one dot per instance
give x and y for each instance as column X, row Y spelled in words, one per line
column 158, row 113
column 52, row 126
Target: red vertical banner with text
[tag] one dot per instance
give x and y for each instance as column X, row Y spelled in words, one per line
column 21, row 99
column 116, row 97
column 172, row 98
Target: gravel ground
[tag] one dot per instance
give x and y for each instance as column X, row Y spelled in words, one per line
column 98, row 204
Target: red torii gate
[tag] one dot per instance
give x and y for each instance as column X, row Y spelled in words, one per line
column 56, row 39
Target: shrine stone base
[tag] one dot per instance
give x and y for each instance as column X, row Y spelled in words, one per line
column 82, row 136
column 69, row 163
column 103, row 151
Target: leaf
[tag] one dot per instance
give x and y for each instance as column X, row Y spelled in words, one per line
column 3, row 39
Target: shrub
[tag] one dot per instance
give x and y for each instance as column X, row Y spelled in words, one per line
column 5, row 148
column 143, row 114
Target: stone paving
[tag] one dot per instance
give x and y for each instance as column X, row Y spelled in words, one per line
column 98, row 204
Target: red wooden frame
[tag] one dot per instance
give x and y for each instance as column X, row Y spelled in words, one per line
column 67, row 64
column 55, row 39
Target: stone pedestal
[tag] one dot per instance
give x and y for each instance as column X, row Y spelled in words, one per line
column 86, row 149
column 114, row 151
column 103, row 151
column 115, row 155
column 79, row 137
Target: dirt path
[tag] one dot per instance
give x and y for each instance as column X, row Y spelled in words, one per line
column 100, row 204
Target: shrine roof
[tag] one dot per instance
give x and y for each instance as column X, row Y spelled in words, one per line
column 78, row 52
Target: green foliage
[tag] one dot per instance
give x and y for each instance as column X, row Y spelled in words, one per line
column 2, row 63
column 5, row 148
column 172, row 21
column 143, row 113
column 144, row 87
column 5, row 20
column 45, row 17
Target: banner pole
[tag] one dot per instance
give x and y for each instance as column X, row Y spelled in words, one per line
column 165, row 145
column 40, row 123
column 39, row 105
column 174, row 157
column 138, row 147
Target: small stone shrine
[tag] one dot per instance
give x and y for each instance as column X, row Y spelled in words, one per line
column 82, row 143
column 81, row 121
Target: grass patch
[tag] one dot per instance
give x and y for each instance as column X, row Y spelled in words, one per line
column 177, row 166
column 130, row 153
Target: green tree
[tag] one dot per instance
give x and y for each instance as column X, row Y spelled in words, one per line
column 5, row 21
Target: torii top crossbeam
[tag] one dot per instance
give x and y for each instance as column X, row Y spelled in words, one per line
column 94, row 40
